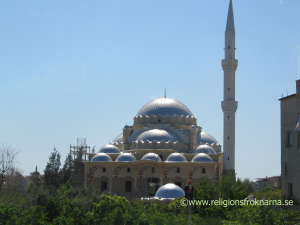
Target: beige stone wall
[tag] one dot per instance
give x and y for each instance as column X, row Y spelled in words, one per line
column 118, row 185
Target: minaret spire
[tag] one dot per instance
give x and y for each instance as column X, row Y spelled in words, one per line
column 229, row 105
column 230, row 20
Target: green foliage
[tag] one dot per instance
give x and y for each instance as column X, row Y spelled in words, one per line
column 110, row 209
column 226, row 189
column 263, row 215
column 67, row 169
column 51, row 172
column 269, row 188
column 249, row 185
column 273, row 194
column 67, row 205
column 7, row 214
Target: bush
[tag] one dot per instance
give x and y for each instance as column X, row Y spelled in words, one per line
column 269, row 188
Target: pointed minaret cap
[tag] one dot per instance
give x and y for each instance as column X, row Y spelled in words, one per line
column 230, row 21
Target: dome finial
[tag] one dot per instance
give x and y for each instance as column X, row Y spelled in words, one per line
column 165, row 92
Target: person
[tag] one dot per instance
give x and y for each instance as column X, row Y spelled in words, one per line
column 189, row 191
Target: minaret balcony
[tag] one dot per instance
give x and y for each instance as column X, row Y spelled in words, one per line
column 229, row 64
column 229, row 106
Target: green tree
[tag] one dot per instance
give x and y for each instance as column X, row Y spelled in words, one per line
column 67, row 169
column 248, row 185
column 51, row 172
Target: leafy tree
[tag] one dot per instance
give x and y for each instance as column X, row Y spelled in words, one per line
column 269, row 188
column 249, row 185
column 67, row 169
column 8, row 158
column 51, row 172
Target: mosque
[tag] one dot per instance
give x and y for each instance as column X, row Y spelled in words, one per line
column 166, row 145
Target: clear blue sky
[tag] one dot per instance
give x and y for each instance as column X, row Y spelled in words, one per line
column 73, row 69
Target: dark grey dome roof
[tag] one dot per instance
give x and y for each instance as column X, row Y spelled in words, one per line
column 169, row 191
column 205, row 138
column 109, row 149
column 119, row 138
column 158, row 135
column 176, row 157
column 164, row 106
column 202, row 157
column 125, row 157
column 151, row 156
column 101, row 157
column 205, row 149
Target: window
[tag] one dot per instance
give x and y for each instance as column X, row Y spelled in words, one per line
column 128, row 170
column 203, row 170
column 178, row 170
column 153, row 170
column 127, row 186
column 178, row 184
column 103, row 169
column 159, row 120
column 103, row 185
column 289, row 138
column 290, row 190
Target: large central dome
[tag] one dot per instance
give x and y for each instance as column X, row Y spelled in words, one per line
column 164, row 106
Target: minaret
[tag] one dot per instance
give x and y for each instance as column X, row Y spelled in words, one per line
column 229, row 105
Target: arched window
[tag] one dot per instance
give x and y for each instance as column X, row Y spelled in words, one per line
column 128, row 170
column 103, row 169
column 203, row 170
column 178, row 170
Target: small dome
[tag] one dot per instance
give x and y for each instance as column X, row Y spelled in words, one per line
column 169, row 191
column 109, row 149
column 193, row 127
column 101, row 157
column 205, row 149
column 202, row 157
column 151, row 156
column 158, row 135
column 126, row 127
column 164, row 106
column 176, row 157
column 205, row 138
column 125, row 157
column 119, row 139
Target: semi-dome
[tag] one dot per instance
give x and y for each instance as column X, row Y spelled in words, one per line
column 205, row 138
column 176, row 157
column 101, row 157
column 109, row 149
column 202, row 157
column 151, row 156
column 169, row 191
column 158, row 135
column 164, row 106
column 125, row 157
column 119, row 138
column 126, row 126
column 205, row 149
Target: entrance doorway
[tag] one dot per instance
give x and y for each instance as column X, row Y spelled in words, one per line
column 155, row 180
